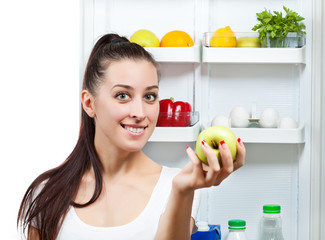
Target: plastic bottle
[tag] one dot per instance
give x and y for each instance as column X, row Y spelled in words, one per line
column 271, row 223
column 236, row 230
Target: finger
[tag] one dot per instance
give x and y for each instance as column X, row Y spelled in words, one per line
column 241, row 154
column 226, row 157
column 197, row 165
column 214, row 166
column 192, row 155
column 227, row 163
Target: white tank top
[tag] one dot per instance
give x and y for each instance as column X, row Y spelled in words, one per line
column 144, row 227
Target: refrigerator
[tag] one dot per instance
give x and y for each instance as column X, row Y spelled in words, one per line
column 283, row 166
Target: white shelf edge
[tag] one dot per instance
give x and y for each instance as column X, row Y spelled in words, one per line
column 253, row 55
column 176, row 134
column 270, row 135
column 176, row 54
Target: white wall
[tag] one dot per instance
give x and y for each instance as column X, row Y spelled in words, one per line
column 39, row 95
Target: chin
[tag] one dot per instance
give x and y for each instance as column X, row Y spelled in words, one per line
column 134, row 147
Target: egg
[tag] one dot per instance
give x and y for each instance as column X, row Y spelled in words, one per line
column 288, row 123
column 239, row 117
column 269, row 118
column 220, row 120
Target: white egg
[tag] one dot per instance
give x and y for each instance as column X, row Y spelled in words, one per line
column 239, row 117
column 269, row 118
column 288, row 123
column 220, row 120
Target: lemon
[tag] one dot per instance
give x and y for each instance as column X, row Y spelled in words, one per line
column 223, row 37
column 248, row 42
column 145, row 38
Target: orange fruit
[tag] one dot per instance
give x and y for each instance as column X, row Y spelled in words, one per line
column 223, row 37
column 176, row 39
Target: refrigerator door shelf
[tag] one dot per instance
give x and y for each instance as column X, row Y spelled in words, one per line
column 176, row 54
column 271, row 135
column 176, row 134
column 254, row 55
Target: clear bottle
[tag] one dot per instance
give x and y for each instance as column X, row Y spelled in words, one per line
column 237, row 229
column 271, row 223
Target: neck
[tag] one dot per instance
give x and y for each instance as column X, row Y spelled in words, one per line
column 121, row 163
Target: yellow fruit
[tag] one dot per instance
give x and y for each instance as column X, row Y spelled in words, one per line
column 145, row 38
column 176, row 39
column 223, row 37
column 248, row 42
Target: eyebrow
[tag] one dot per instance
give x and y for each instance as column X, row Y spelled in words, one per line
column 130, row 88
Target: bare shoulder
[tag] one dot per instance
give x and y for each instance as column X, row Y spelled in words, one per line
column 86, row 188
column 33, row 233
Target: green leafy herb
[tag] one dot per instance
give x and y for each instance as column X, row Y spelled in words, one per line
column 277, row 25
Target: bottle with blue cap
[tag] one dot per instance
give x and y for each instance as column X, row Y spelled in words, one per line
column 271, row 223
column 237, row 229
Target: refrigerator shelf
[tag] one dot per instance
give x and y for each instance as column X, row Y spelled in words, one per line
column 253, row 55
column 270, row 135
column 176, row 134
column 176, row 54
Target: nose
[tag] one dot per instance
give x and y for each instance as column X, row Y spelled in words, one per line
column 137, row 110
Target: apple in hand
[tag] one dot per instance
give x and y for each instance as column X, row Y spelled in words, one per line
column 213, row 136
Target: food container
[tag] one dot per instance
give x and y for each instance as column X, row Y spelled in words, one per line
column 292, row 40
column 179, row 119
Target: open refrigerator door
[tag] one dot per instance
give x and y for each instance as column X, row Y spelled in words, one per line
column 214, row 80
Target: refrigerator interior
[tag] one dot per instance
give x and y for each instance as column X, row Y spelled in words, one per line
column 277, row 168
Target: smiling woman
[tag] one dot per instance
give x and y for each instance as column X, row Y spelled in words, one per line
column 107, row 170
column 126, row 105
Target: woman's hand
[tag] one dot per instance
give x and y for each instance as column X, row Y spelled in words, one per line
column 196, row 174
column 176, row 221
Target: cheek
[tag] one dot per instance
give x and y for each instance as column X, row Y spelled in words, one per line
column 153, row 114
column 108, row 112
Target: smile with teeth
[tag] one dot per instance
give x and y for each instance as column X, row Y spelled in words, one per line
column 134, row 129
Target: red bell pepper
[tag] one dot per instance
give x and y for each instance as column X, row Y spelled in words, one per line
column 181, row 114
column 165, row 113
column 175, row 114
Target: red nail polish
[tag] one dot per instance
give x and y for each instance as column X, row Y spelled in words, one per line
column 187, row 147
column 239, row 140
column 222, row 142
column 204, row 142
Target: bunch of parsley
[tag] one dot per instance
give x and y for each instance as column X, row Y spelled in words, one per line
column 277, row 25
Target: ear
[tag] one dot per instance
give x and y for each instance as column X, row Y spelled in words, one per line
column 87, row 101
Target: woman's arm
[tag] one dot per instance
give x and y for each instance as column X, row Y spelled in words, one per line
column 176, row 222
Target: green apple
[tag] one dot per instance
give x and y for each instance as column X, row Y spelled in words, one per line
column 213, row 136
column 145, row 38
column 250, row 42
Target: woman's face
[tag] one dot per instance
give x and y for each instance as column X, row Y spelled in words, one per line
column 126, row 105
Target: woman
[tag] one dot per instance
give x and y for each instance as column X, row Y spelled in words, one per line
column 108, row 188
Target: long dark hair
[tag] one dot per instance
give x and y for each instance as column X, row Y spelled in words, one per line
column 45, row 207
